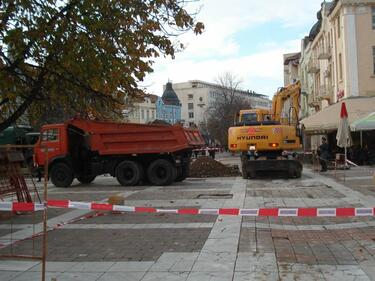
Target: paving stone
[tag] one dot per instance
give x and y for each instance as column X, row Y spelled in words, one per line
column 123, row 276
column 28, row 276
column 130, row 266
column 249, row 262
column 13, row 265
column 54, row 266
column 210, row 276
column 165, row 276
column 175, row 262
column 116, row 245
column 8, row 275
column 211, row 262
column 256, row 275
column 369, row 268
column 344, row 273
column 81, row 276
column 90, row 267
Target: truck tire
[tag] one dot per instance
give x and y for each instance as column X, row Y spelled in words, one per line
column 161, row 172
column 86, row 179
column 183, row 173
column 61, row 175
column 128, row 173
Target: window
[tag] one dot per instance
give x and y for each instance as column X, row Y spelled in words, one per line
column 50, row 135
column 249, row 117
column 338, row 27
column 191, row 114
column 142, row 114
column 340, row 67
column 190, row 106
column 148, row 115
column 373, row 60
column 373, row 18
column 190, row 96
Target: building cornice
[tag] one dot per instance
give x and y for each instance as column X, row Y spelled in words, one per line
column 340, row 3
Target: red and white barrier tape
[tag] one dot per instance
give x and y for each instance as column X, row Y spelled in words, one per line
column 261, row 212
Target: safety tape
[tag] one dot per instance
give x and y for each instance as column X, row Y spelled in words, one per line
column 261, row 212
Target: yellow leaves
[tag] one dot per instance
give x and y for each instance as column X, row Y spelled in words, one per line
column 88, row 50
column 199, row 27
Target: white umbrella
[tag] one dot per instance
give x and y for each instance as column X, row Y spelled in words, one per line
column 344, row 137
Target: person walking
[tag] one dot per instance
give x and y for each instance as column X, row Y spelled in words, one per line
column 323, row 153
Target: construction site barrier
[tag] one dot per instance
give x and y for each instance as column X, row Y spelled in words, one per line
column 261, row 212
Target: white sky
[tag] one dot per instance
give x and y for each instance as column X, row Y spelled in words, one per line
column 244, row 37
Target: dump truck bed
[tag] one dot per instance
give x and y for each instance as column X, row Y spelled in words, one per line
column 109, row 138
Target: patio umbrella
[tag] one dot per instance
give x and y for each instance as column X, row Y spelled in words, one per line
column 343, row 137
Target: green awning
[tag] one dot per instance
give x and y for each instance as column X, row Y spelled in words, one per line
column 364, row 124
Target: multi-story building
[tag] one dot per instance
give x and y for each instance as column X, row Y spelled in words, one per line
column 338, row 62
column 168, row 107
column 291, row 68
column 143, row 110
column 197, row 96
column 338, row 56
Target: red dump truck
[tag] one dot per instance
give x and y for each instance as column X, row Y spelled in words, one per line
column 133, row 153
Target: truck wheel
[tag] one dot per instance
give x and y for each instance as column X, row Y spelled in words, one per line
column 86, row 179
column 161, row 172
column 128, row 173
column 298, row 173
column 61, row 175
column 183, row 173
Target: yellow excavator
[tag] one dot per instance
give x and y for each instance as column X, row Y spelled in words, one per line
column 268, row 139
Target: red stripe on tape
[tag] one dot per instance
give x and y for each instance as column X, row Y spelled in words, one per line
column 273, row 212
column 145, row 210
column 58, row 203
column 307, row 212
column 23, row 206
column 188, row 211
column 232, row 212
column 345, row 212
column 101, row 207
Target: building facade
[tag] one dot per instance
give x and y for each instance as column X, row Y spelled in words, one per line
column 168, row 107
column 338, row 61
column 143, row 111
column 291, row 68
column 338, row 56
column 197, row 96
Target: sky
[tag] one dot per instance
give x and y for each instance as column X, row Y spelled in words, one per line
column 244, row 37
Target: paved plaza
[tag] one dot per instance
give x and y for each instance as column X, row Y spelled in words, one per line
column 163, row 246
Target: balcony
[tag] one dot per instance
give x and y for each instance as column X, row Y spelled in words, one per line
column 313, row 100
column 325, row 53
column 325, row 92
column 313, row 66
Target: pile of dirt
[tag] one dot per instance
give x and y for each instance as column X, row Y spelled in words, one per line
column 206, row 167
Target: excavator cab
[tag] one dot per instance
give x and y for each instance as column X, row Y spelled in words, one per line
column 254, row 117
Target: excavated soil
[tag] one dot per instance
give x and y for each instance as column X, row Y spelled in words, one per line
column 206, row 167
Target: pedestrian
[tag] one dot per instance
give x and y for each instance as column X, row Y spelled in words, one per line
column 196, row 153
column 212, row 152
column 323, row 153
